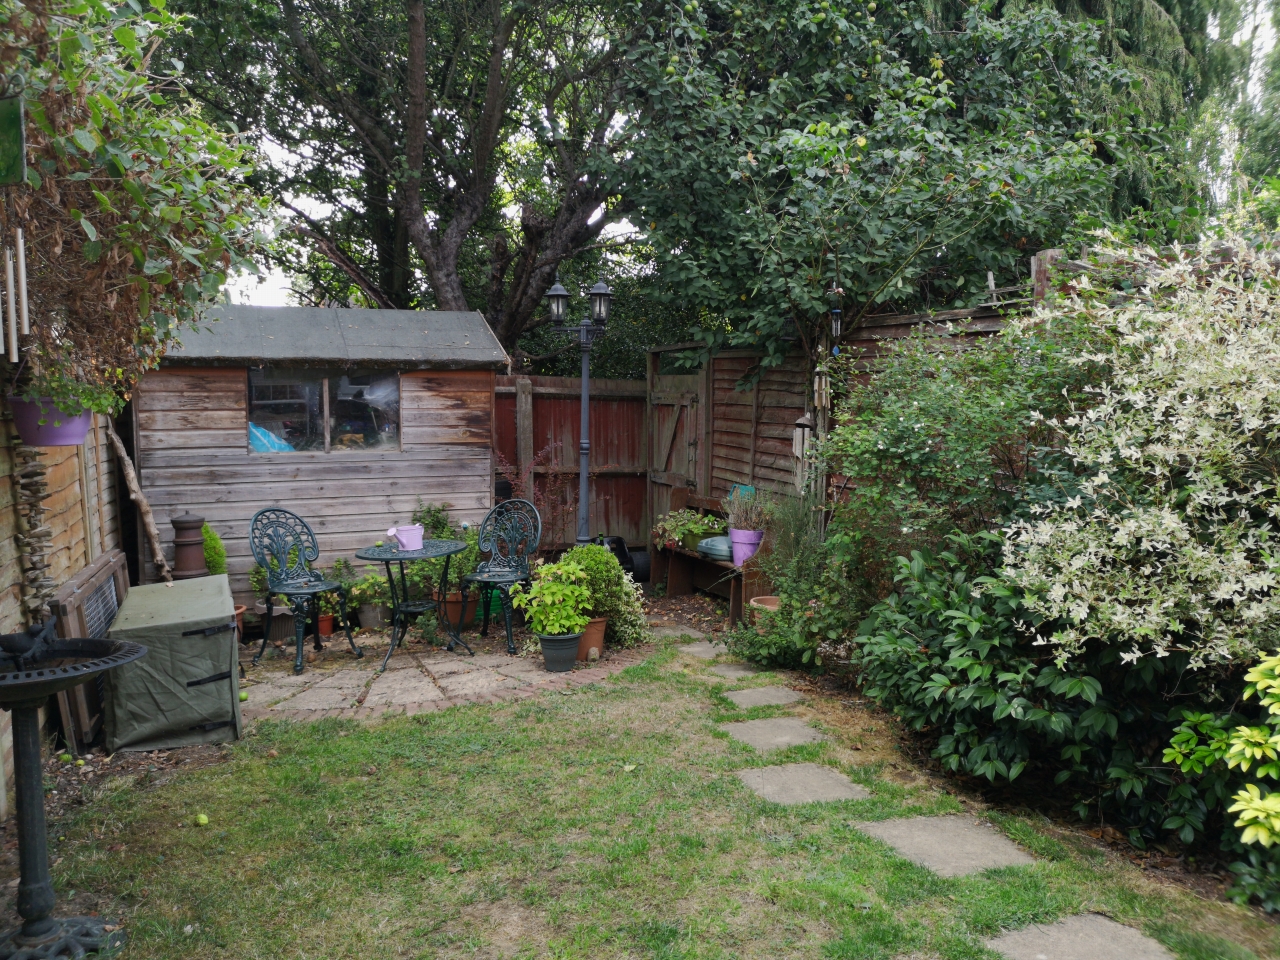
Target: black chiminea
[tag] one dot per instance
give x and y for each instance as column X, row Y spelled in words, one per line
column 39, row 666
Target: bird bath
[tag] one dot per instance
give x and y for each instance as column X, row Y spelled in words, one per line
column 39, row 665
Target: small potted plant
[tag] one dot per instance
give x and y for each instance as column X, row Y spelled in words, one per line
column 685, row 528
column 280, row 628
column 554, row 606
column 215, row 561
column 748, row 514
column 606, row 581
column 372, row 595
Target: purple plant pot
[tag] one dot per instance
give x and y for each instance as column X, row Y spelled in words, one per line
column 58, row 430
column 745, row 544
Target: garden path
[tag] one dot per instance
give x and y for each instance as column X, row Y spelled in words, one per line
column 950, row 846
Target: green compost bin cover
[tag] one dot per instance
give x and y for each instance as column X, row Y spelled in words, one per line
column 186, row 690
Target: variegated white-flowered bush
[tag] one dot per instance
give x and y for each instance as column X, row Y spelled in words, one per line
column 1169, row 539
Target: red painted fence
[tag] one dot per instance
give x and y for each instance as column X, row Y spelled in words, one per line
column 536, row 433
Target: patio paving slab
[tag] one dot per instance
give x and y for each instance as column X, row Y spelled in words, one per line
column 735, row 671
column 517, row 669
column 704, row 649
column 449, row 665
column 402, row 687
column 1088, row 936
column 474, row 683
column 763, row 697
column 336, row 690
column 772, row 734
column 793, row 783
column 950, row 846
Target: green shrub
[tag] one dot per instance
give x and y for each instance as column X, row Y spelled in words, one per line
column 215, row 554
column 614, row 595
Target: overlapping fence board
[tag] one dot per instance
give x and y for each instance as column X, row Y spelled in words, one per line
column 748, row 414
column 83, row 517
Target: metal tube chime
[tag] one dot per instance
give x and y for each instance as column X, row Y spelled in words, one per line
column 10, row 296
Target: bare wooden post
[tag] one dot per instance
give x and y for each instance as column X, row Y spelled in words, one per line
column 1040, row 264
column 144, row 508
column 524, row 424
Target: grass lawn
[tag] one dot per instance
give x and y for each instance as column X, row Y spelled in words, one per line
column 606, row 822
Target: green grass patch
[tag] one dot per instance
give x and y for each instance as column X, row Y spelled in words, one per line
column 608, row 823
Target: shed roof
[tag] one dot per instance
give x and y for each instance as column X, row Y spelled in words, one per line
column 407, row 339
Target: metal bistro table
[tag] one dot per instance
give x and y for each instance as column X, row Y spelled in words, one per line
column 402, row 608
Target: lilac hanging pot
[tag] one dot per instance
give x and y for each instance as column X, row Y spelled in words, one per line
column 745, row 543
column 58, row 430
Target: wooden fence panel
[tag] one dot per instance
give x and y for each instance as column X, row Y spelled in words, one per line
column 537, row 428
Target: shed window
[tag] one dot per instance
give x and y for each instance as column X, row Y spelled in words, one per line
column 295, row 409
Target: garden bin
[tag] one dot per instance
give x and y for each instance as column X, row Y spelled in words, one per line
column 186, row 690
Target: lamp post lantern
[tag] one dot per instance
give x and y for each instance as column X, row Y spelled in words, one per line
column 592, row 326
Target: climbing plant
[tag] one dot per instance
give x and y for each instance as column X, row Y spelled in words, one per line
column 134, row 207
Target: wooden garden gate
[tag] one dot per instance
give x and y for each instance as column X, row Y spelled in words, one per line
column 677, row 432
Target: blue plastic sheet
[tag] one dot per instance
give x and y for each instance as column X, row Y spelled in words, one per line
column 264, row 441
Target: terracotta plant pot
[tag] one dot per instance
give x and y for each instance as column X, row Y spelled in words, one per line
column 326, row 624
column 762, row 605
column 240, row 612
column 592, row 641
column 451, row 607
column 769, row 604
column 559, row 651
column 58, row 430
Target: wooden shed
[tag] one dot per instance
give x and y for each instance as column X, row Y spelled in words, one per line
column 347, row 417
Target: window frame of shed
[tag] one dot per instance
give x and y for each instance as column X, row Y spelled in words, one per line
column 326, row 373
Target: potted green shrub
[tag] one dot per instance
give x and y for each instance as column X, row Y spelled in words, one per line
column 554, row 606
column 606, row 581
column 215, row 561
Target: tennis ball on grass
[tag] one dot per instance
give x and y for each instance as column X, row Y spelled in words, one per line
column 201, row 820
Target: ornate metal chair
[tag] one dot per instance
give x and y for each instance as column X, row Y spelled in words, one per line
column 285, row 546
column 509, row 534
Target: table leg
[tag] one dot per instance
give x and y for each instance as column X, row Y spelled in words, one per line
column 455, row 633
column 397, row 613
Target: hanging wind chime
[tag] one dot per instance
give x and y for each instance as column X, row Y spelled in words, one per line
column 34, row 537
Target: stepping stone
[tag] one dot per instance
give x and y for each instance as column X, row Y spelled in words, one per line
column 734, row 671
column 763, row 697
column 1089, row 936
column 772, row 734
column 703, row 649
column 675, row 632
column 402, row 686
column 949, row 846
column 794, row 783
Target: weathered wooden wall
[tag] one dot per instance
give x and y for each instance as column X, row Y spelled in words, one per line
column 192, row 448
column 83, row 515
column 542, row 416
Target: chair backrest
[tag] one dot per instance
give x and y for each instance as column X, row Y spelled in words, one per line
column 510, row 534
column 285, row 545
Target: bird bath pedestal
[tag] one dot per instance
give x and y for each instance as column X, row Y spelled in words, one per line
column 38, row 667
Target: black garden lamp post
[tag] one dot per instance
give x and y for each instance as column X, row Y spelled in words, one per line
column 592, row 326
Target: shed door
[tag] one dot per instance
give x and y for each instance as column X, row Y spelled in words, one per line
column 673, row 438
